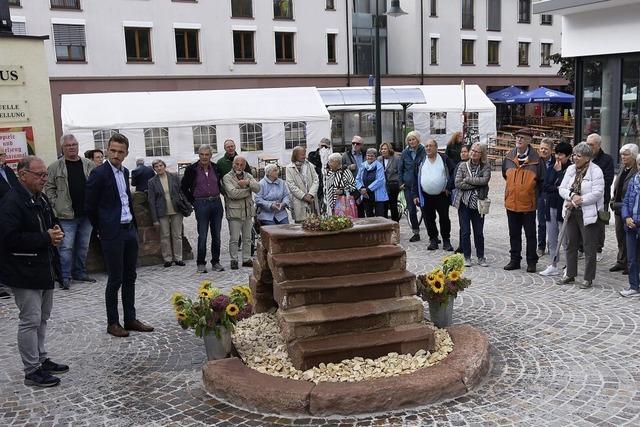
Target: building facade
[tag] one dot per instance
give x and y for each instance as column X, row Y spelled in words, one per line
column 602, row 37
column 141, row 45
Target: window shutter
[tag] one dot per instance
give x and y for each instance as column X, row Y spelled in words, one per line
column 19, row 29
column 494, row 15
column 69, row 35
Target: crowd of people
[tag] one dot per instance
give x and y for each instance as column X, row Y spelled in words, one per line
column 559, row 195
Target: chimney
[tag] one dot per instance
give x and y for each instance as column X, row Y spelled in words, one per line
column 5, row 17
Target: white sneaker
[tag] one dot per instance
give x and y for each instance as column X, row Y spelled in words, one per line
column 550, row 271
column 467, row 262
column 482, row 262
column 630, row 293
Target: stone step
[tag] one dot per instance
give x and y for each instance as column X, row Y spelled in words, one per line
column 341, row 262
column 366, row 232
column 351, row 288
column 402, row 339
column 330, row 319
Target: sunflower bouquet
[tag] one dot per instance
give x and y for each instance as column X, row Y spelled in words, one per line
column 212, row 310
column 444, row 281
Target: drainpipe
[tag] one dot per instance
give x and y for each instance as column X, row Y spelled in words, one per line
column 346, row 16
column 421, row 43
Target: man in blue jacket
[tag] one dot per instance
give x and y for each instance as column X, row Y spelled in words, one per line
column 108, row 205
column 29, row 236
column 411, row 156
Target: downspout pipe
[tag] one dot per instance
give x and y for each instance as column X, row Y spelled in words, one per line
column 421, row 42
column 348, row 42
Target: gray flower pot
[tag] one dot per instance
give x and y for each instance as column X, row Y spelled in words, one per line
column 218, row 348
column 441, row 314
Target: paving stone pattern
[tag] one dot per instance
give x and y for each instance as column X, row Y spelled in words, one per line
column 560, row 355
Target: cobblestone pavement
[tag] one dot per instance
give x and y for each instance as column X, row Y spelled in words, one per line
column 560, row 355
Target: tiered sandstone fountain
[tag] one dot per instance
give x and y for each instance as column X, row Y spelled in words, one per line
column 342, row 295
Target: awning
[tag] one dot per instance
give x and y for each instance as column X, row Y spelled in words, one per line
column 366, row 95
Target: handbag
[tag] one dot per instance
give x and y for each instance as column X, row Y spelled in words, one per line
column 484, row 205
column 346, row 206
column 183, row 206
column 604, row 216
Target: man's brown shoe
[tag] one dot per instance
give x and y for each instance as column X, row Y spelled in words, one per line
column 138, row 326
column 117, row 331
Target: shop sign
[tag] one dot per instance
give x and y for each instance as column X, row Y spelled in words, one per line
column 11, row 75
column 13, row 111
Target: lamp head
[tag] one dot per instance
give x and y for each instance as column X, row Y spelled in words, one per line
column 395, row 9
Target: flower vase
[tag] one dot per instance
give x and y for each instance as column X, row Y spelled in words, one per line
column 441, row 314
column 218, row 348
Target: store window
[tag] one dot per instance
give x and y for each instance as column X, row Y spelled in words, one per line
column 205, row 135
column 156, row 142
column 629, row 126
column 101, row 138
column 251, row 137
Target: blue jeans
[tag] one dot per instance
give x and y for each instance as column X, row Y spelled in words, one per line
column 209, row 214
column 632, row 258
column 274, row 222
column 74, row 247
column 471, row 218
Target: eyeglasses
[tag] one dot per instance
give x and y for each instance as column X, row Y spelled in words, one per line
column 41, row 175
column 357, row 143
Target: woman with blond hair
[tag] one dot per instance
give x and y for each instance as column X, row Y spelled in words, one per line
column 454, row 146
column 302, row 182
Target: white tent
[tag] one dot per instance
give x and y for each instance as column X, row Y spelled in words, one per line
column 175, row 114
column 441, row 116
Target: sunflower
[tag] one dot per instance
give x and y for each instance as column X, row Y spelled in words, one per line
column 440, row 276
column 177, row 298
column 431, row 278
column 454, row 275
column 181, row 315
column 205, row 293
column 437, row 287
column 232, row 310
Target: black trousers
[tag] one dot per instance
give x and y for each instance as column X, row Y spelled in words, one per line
column 518, row 221
column 436, row 204
column 373, row 208
column 392, row 204
column 120, row 258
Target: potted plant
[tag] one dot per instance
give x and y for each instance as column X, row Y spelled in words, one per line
column 212, row 315
column 441, row 286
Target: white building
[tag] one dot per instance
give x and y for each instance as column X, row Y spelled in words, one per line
column 140, row 45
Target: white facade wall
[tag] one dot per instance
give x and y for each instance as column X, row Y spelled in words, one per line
column 404, row 49
column 105, row 52
column 106, row 55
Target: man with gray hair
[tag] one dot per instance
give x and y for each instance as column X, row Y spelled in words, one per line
column 201, row 185
column 29, row 235
column 605, row 162
column 65, row 188
column 141, row 175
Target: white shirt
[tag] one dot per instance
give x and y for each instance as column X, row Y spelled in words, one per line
column 433, row 176
column 125, row 213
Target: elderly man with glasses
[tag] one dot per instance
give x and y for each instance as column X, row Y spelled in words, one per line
column 524, row 171
column 66, row 190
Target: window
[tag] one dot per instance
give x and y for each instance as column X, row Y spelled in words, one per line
column 473, row 128
column 101, row 138
column 295, row 133
column 523, row 53
column 65, row 4
column 437, row 123
column 241, row 9
column 434, row 51
column 524, row 11
column 467, row 14
column 493, row 52
column 187, row 45
column 545, row 53
column 156, row 142
column 337, row 129
column 243, row 46
column 19, row 28
column 433, row 8
column 546, row 19
column 138, row 44
column 204, row 135
column 331, row 49
column 494, row 15
column 282, row 9
column 467, row 52
column 14, row 3
column 69, row 41
column 251, row 137
column 330, row 5
column 284, row 47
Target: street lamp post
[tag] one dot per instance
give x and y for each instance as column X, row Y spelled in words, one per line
column 394, row 11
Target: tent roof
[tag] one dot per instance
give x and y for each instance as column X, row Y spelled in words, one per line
column 365, row 95
column 130, row 110
column 450, row 98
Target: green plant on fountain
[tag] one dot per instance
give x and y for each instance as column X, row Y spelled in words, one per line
column 329, row 223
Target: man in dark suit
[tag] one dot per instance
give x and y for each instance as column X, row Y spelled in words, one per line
column 8, row 180
column 108, row 204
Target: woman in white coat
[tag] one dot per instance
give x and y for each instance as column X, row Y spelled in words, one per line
column 302, row 182
column 582, row 189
